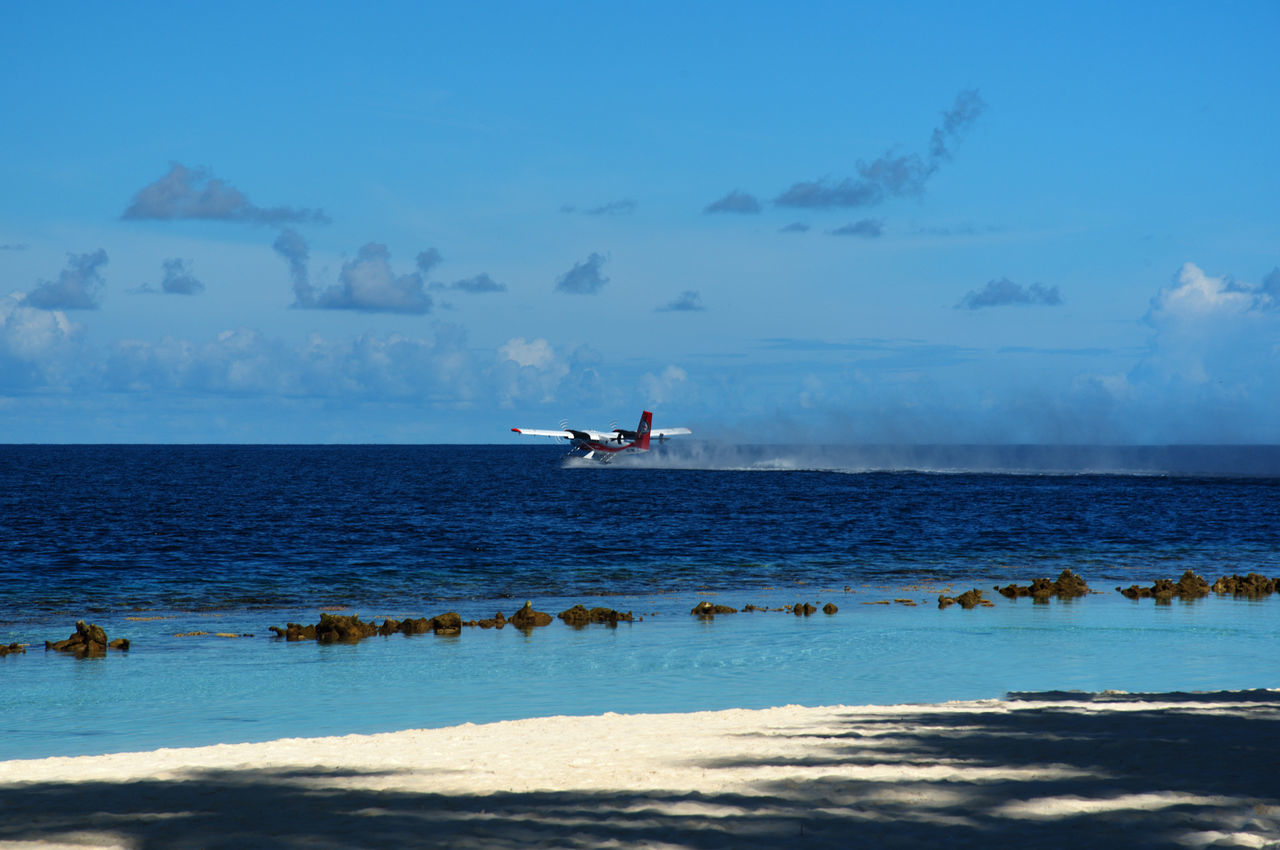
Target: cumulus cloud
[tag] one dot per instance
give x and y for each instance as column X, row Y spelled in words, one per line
column 1196, row 297
column 77, row 286
column 1002, row 292
column 585, row 278
column 670, row 385
column 37, row 346
column 687, row 301
column 734, row 202
column 537, row 353
column 795, row 227
column 368, row 284
column 1215, row 347
column 178, row 280
column 892, row 174
column 528, row 371
column 247, row 363
column 869, row 228
column 13, row 246
column 194, row 193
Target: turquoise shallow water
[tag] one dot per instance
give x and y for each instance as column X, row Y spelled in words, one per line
column 170, row 691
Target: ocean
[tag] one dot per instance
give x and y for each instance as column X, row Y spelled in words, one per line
column 193, row 552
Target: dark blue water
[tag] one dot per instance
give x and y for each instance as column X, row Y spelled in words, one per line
column 156, row 542
column 87, row 529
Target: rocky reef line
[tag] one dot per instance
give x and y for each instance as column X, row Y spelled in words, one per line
column 91, row 641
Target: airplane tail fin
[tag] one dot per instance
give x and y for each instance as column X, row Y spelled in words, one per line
column 642, row 431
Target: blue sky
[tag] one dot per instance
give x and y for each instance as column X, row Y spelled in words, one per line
column 414, row 223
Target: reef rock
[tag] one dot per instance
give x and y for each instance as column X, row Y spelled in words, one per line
column 1190, row 586
column 88, row 640
column 294, row 631
column 1067, row 586
column 1252, row 585
column 527, row 618
column 1013, row 591
column 829, row 608
column 706, row 609
column 578, row 615
column 343, row 628
column 13, row 648
column 336, row 628
column 803, row 608
column 447, row 624
column 968, row 599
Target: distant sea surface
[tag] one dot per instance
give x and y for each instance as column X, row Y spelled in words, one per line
column 153, row 542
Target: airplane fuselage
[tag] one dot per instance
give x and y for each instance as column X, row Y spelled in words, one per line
column 608, row 443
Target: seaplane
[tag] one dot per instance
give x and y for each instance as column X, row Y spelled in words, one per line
column 604, row 446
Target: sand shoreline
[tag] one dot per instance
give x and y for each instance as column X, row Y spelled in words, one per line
column 1181, row 770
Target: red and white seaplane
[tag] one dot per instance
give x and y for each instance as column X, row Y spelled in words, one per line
column 606, row 445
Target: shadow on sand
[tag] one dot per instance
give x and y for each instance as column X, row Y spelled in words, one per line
column 1059, row 772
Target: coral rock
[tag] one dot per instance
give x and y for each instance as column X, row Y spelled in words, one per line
column 578, row 615
column 1252, row 585
column 88, row 640
column 968, row 599
column 706, row 609
column 527, row 618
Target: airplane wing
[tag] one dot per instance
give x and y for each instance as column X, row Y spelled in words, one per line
column 568, row 434
column 669, row 432
column 537, row 432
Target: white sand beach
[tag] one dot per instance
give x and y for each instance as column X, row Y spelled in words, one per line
column 1035, row 770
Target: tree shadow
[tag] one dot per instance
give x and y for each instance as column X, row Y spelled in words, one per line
column 1044, row 774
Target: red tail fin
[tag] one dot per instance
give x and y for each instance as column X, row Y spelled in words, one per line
column 642, row 431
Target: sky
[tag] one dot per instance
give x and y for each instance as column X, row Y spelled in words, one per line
column 823, row 223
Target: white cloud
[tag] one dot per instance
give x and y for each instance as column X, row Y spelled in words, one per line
column 537, row 353
column 1211, row 372
column 367, row 283
column 528, row 371
column 665, row 387
column 246, row 362
column 1195, row 297
column 37, row 346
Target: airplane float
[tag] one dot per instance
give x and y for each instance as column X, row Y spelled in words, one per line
column 606, row 445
